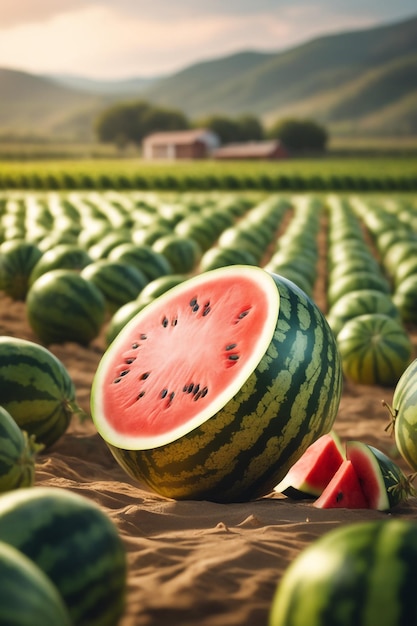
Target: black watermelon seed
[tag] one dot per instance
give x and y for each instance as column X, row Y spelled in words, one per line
column 124, row 372
column 145, row 375
column 143, row 336
column 174, row 321
column 129, row 361
column 233, row 357
column 164, row 393
column 165, row 322
column 204, row 392
column 243, row 314
column 190, row 387
column 193, row 302
column 230, row 346
column 135, row 346
column 206, row 311
column 195, row 308
column 117, row 380
column 140, row 395
column 185, row 388
column 196, row 389
column 197, row 396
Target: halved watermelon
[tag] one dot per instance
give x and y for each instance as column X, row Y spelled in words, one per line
column 309, row 476
column 344, row 491
column 218, row 386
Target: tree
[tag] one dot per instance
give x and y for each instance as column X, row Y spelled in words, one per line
column 299, row 135
column 132, row 121
column 250, row 128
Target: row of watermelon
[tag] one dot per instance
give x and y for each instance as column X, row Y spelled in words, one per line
column 180, row 239
column 42, row 528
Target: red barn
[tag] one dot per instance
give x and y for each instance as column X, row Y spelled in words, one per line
column 251, row 150
column 180, row 144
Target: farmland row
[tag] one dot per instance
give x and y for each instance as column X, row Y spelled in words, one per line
column 354, row 254
column 379, row 174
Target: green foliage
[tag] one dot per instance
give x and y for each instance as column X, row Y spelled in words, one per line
column 244, row 128
column 132, row 121
column 300, row 135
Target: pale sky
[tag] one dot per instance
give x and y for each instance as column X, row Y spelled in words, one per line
column 126, row 38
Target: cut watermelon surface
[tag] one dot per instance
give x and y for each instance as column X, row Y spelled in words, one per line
column 309, row 476
column 214, row 389
column 343, row 491
column 186, row 357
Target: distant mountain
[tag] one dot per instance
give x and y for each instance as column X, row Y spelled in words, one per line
column 123, row 87
column 362, row 81
column 341, row 80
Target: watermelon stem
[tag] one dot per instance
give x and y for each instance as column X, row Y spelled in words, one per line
column 404, row 486
column 393, row 413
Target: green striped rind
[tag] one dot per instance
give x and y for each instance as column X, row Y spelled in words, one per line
column 405, row 298
column 118, row 282
column 404, row 407
column 17, row 259
column 63, row 306
column 248, row 446
column 36, row 389
column 27, row 595
column 17, row 454
column 361, row 573
column 222, row 256
column 147, row 260
column 160, row 285
column 375, row 349
column 75, row 544
column 62, row 256
column 360, row 302
column 366, row 279
column 183, row 253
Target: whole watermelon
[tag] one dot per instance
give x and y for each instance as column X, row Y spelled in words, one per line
column 359, row 573
column 36, row 389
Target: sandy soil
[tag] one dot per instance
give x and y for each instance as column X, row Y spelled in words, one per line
column 197, row 563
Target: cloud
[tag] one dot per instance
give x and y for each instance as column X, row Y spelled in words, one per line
column 103, row 39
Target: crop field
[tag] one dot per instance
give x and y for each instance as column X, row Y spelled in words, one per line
column 77, row 265
column 330, row 245
column 328, row 174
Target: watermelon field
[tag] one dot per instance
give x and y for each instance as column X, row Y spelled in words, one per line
column 79, row 262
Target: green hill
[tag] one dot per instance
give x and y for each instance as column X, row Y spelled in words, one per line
column 357, row 82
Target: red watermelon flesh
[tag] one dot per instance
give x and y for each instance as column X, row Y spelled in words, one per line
column 344, row 491
column 208, row 341
column 383, row 482
column 309, row 476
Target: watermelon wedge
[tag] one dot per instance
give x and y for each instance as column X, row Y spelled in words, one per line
column 343, row 491
column 378, row 482
column 383, row 483
column 218, row 386
column 309, row 476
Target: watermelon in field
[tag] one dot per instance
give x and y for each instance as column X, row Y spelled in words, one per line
column 75, row 544
column 64, row 306
column 217, row 387
column 36, row 389
column 17, row 260
column 309, row 476
column 27, row 596
column 358, row 573
column 17, row 454
column 404, row 415
column 375, row 349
